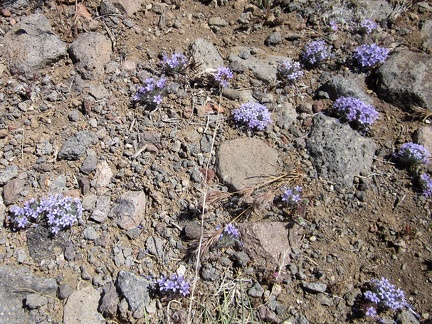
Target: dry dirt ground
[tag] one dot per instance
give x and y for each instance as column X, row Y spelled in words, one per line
column 380, row 227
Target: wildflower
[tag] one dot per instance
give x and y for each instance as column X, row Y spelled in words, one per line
column 254, row 115
column 230, row 229
column 315, row 52
column 371, row 311
column 334, row 26
column 356, row 111
column 368, row 26
column 289, row 71
column 58, row 211
column 426, row 185
column 412, row 154
column 150, row 93
column 292, row 195
column 389, row 295
column 223, row 75
column 370, row 55
column 174, row 284
column 174, row 64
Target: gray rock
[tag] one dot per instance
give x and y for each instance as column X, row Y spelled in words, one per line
column 130, row 7
column 135, row 289
column 8, row 173
column 98, row 91
column 217, row 21
column 347, row 86
column 16, row 283
column 406, row 317
column 426, row 31
column 58, row 184
column 155, row 246
column 109, row 301
column 65, row 290
column 76, row 145
column 90, row 52
column 81, row 307
column 100, row 213
column 205, row 55
column 266, row 243
column 44, row 148
column 244, row 161
column 405, row 80
column 314, row 287
column 42, row 245
column 423, row 136
column 12, row 190
column 262, row 67
column 34, row 301
column 337, row 151
column 90, row 233
column 377, row 10
column 2, row 210
column 273, row 39
column 32, row 45
column 256, row 290
column 298, row 319
column 90, row 163
column 74, row 115
column 209, row 272
column 129, row 209
column 286, row 115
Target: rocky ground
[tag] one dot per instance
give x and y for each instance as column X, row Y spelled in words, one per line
column 154, row 181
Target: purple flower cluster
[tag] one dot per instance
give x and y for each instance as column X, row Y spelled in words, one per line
column 368, row 26
column 59, row 212
column 289, row 71
column 175, row 284
column 370, row 55
column 315, row 52
column 356, row 111
column 174, row 64
column 254, row 115
column 151, row 93
column 384, row 295
column 412, row 154
column 231, row 230
column 292, row 195
column 223, row 75
column 426, row 185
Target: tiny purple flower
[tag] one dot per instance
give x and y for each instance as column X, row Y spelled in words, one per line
column 230, row 229
column 412, row 154
column 289, row 71
column 292, row 195
column 370, row 55
column 316, row 52
column 223, row 75
column 253, row 115
column 368, row 26
column 426, row 185
column 356, row 111
column 371, row 311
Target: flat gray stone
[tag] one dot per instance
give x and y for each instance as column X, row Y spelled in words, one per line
column 109, row 301
column 314, row 287
column 100, row 213
column 42, row 245
column 32, row 45
column 81, row 307
column 8, row 173
column 90, row 52
column 129, row 209
column 75, row 146
column 245, row 162
column 135, row 289
column 351, row 85
column 34, row 301
column 337, row 151
column 205, row 55
column 15, row 286
column 405, row 80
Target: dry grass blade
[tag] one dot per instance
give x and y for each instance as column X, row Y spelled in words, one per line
column 421, row 113
column 216, row 197
column 209, row 240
